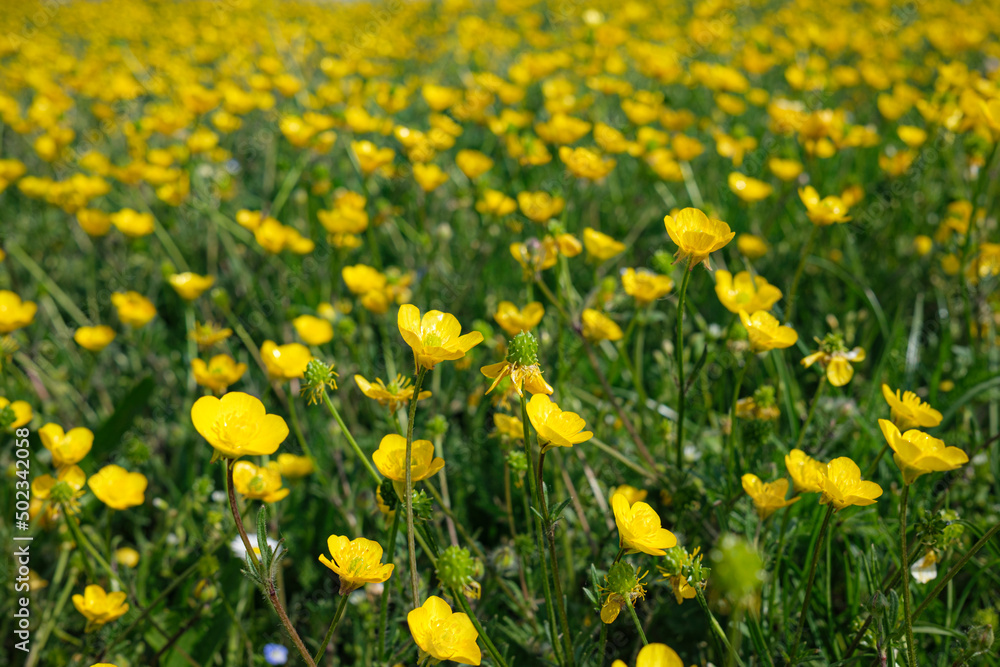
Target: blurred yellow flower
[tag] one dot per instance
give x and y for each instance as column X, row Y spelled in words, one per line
column 393, row 395
column 285, row 362
column 826, row 211
column 639, row 527
column 133, row 309
column 219, row 373
column 95, row 223
column 555, row 427
column 786, row 170
column 132, row 223
column 586, row 163
column 67, row 447
column 645, row 286
column 258, row 483
column 597, row 326
column 908, row 411
column 600, row 245
column 540, row 206
column 442, row 634
column 745, row 291
column 435, row 337
column 429, row 176
column 313, row 330
column 749, row 189
column 206, row 335
column 189, row 286
column 357, row 562
column 766, row 333
column 473, row 163
column 20, row 411
column 117, row 488
column 370, row 157
column 94, row 339
column 917, row 453
column 100, row 607
column 514, row 320
column 127, row 557
column 390, row 458
column 294, row 466
column 494, row 202
column 807, row 473
column 696, row 235
column 768, row 497
column 14, row 313
column 238, row 425
column 632, row 494
column 843, row 486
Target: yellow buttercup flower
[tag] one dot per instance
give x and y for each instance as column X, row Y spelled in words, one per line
column 745, row 292
column 72, row 475
column 118, row 488
column 132, row 223
column 632, row 494
column 390, row 458
column 908, row 411
column 554, row 426
column 294, row 466
column 786, row 170
column 749, row 189
column 540, row 206
column 654, row 655
column 95, row 223
column 836, row 359
column 600, row 245
column 313, row 330
column 843, row 486
column 766, row 333
column 494, row 202
column 134, row 309
column 645, row 286
column 190, row 285
column 94, row 339
column 219, row 373
column 473, row 163
column 514, row 320
column 807, row 473
column 597, row 326
column 370, row 157
column 391, row 395
column 751, row 246
column 825, row 211
column 429, row 176
column 14, row 313
column 258, row 483
column 768, row 497
column 917, row 453
column 127, row 556
column 696, row 235
column 534, row 255
column 443, row 634
column 238, row 425
column 438, row 97
column 285, row 362
column 639, row 527
column 435, row 337
column 586, row 162
column 100, row 607
column 21, row 411
column 357, row 562
column 67, row 447
column 520, row 365
column 207, row 335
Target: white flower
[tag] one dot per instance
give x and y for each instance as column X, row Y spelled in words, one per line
column 236, row 545
column 925, row 568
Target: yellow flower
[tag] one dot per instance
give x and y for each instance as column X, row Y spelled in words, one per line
column 645, row 286
column 917, row 453
column 843, row 486
column 390, row 458
column 654, row 655
column 768, row 497
column 285, row 362
column 632, row 494
column 696, row 235
column 72, row 475
column 220, row 372
column 132, row 223
column 21, row 411
column 271, row 235
column 586, row 162
column 908, row 411
column 357, row 562
column 508, row 426
column 766, row 333
column 786, row 170
column 15, row 314
column 117, row 488
column 837, row 360
column 435, row 337
column 601, row 246
column 207, row 335
column 540, row 206
column 438, row 97
column 807, row 473
column 443, row 634
column 361, row 279
column 494, row 202
column 826, row 211
column 238, row 425
column 94, row 339
column 370, row 157
column 127, row 556
column 393, row 395
column 258, row 483
column 639, row 527
column 749, row 189
column 568, row 245
column 134, row 309
column 597, row 326
column 912, row 136
column 313, row 330
column 294, row 466
column 534, row 255
column 190, row 285
column 68, row 448
column 528, row 376
column 514, row 321
column 100, row 607
column 95, row 223
column 745, row 292
column 555, row 427
column 752, row 247
column 429, row 176
column 473, row 163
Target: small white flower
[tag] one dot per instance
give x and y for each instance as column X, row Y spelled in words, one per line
column 925, row 568
column 236, row 545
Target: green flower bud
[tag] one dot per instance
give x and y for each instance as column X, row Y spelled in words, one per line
column 456, row 568
column 438, row 425
column 523, row 350
column 423, row 506
column 7, row 417
column 318, row 377
column 518, row 462
column 980, row 639
column 137, row 452
column 388, row 494
column 62, row 492
column 622, row 578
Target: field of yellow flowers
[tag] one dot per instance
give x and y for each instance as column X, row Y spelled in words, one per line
column 573, row 333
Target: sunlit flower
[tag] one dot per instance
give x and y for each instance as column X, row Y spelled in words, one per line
column 443, row 634
column 100, row 607
column 190, row 285
column 807, row 473
column 67, row 447
column 597, row 326
column 843, row 486
column 836, row 359
column 696, row 235
column 238, row 425
column 645, row 286
column 396, row 393
column 654, row 655
column 94, row 339
column 134, row 309
column 825, row 211
column 745, row 292
column 639, row 527
column 768, row 497
column 435, row 337
column 285, row 362
column 766, row 333
column 117, row 488
column 219, row 373
column 917, row 453
column 20, row 412
column 357, row 562
column 14, row 313
column 555, row 427
column 313, row 330
column 908, row 411
column 632, row 494
column 390, row 458
column 601, row 246
column 258, row 483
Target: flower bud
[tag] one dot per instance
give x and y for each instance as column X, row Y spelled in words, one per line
column 456, row 568
column 387, row 495
column 622, row 578
column 523, row 350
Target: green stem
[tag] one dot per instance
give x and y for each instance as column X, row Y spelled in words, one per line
column 82, row 540
column 333, row 626
column 350, row 439
column 731, row 441
column 955, row 569
column 230, row 489
column 812, row 411
column 679, row 356
column 874, row 466
column 384, row 611
column 911, row 655
column 602, row 644
column 790, row 300
column 809, row 581
column 490, row 647
column 39, row 274
column 554, row 559
column 635, row 619
column 717, row 630
column 192, row 346
column 410, row 546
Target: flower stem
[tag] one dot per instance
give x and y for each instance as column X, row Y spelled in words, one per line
column 731, row 441
column 410, row 546
column 556, row 583
column 251, row 554
column 809, row 581
column 911, row 655
column 350, row 439
column 490, row 646
column 635, row 619
column 806, row 249
column 384, row 611
column 955, row 569
column 812, row 410
column 716, row 628
column 333, row 626
column 82, row 540
column 679, row 356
